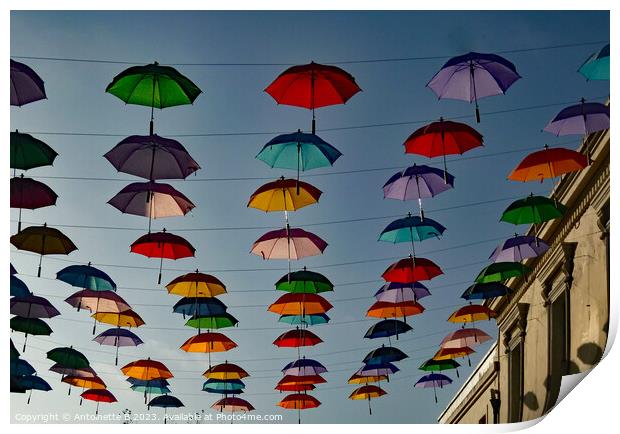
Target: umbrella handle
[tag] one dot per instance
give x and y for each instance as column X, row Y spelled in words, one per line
column 25, row 340
column 29, row 396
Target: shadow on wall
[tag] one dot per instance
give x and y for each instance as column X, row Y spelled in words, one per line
column 590, row 353
column 530, row 400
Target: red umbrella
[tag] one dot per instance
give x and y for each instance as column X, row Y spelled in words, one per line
column 99, row 395
column 163, row 245
column 30, row 194
column 294, row 387
column 313, row 86
column 411, row 269
column 301, row 380
column 297, row 338
column 443, row 138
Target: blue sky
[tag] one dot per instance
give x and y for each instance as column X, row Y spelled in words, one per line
column 233, row 102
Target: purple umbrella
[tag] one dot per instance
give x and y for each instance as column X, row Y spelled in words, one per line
column 375, row 370
column 118, row 337
column 152, row 200
column 152, row 157
column 393, row 292
column 31, row 306
column 583, row 118
column 518, row 248
column 434, row 381
column 473, row 76
column 87, row 372
column 417, row 182
column 26, row 85
column 303, row 367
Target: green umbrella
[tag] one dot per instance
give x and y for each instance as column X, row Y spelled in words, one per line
column 30, row 326
column 212, row 322
column 533, row 210
column 67, row 357
column 28, row 152
column 304, row 281
column 432, row 365
column 500, row 271
column 153, row 86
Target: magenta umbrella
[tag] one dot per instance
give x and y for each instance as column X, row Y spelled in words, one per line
column 30, row 194
column 465, row 337
column 152, row 157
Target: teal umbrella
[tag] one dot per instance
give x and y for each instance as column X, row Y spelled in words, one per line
column 410, row 229
column 20, row 367
column 227, row 387
column 596, row 67
column 86, row 277
column 320, row 318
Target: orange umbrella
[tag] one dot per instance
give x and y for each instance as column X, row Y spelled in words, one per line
column 367, row 392
column 453, row 353
column 385, row 309
column 365, row 379
column 85, row 383
column 196, row 285
column 299, row 401
column 300, row 304
column 226, row 371
column 472, row 313
column 301, row 380
column 209, row 342
column 127, row 318
column 548, row 163
column 146, row 369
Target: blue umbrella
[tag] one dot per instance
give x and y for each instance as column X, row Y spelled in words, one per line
column 18, row 287
column 226, row 387
column 395, row 292
column 32, row 382
column 483, row 291
column 319, row 318
column 410, row 229
column 384, row 354
column 21, row 367
column 199, row 306
column 87, row 277
column 596, row 67
column 377, row 369
column 387, row 328
column 580, row 119
column 165, row 402
column 433, row 380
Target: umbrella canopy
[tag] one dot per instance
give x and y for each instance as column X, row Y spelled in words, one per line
column 581, row 119
column 18, row 287
column 68, row 357
column 199, row 307
column 472, row 313
column 208, row 343
column 30, row 194
column 87, row 277
column 548, row 163
column 408, row 270
column 377, row 369
column 151, row 199
column 32, row 306
column 146, row 369
column 501, row 271
column 288, row 243
column 126, row 318
column 366, row 379
column 596, row 67
column 483, row 291
column 98, row 301
column 223, row 386
column 299, row 401
column 473, row 76
column 226, row 371
column 26, row 85
column 452, row 353
column 297, row 338
column 465, row 337
column 284, row 195
column 410, row 229
column 212, row 322
column 304, row 367
column 87, row 372
column 294, row 387
column 387, row 328
column 30, row 382
column 304, row 281
column 384, row 354
column 162, row 245
column 308, row 320
column 118, row 337
column 367, row 392
column 98, row 395
column 232, row 405
column 300, row 304
column 394, row 292
column 302, row 380
column 196, row 285
column 533, row 210
column 150, row 389
column 434, row 381
column 85, row 383
column 28, row 152
column 44, row 241
column 159, row 382
column 29, row 326
column 14, row 354
column 19, row 367
column 432, row 365
column 382, row 309
column 165, row 401
column 518, row 248
column 12, row 270
column 298, row 150
column 152, row 157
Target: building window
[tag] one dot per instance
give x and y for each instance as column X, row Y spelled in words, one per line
column 515, row 381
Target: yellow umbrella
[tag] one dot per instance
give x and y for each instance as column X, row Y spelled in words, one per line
column 146, row 370
column 226, row 371
column 453, row 353
column 284, row 195
column 119, row 319
column 472, row 313
column 367, row 392
column 85, row 383
column 196, row 285
column 366, row 379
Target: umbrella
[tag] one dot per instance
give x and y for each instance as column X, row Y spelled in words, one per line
column 162, row 245
column 473, row 76
column 297, row 338
column 20, row 367
column 533, row 210
column 68, row 357
column 434, row 381
column 294, row 387
column 28, row 152
column 226, row 371
column 85, row 383
column 12, row 270
column 196, row 285
column 284, row 195
column 33, row 382
column 209, row 342
column 367, row 392
column 465, row 338
column 126, row 318
column 87, row 277
column 304, row 367
column 152, row 200
column 98, row 395
column 302, row 380
column 304, row 281
column 581, row 119
column 98, row 301
column 366, row 379
column 199, row 307
column 26, row 85
column 410, row 229
column 137, row 384
column 232, row 404
column 165, row 402
column 384, row 354
column 307, row 320
column 29, row 326
column 596, row 67
column 223, row 386
column 483, row 291
column 432, row 365
column 300, row 304
column 30, row 194
column 152, row 157
column 148, row 388
column 14, row 354
column 87, row 372
column 394, row 292
column 472, row 313
column 383, row 309
column 212, row 322
column 18, row 287
column 44, row 241
column 443, row 138
column 118, row 337
column 377, row 370
column 453, row 353
column 500, row 271
column 299, row 151
column 548, row 163
column 32, row 306
column 519, row 248
column 417, row 182
column 387, row 328
column 299, row 401
column 312, row 86
column 146, row 369
column 409, row 270
column 153, row 85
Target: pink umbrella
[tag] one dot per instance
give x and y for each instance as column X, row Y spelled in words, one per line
column 465, row 337
column 98, row 301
